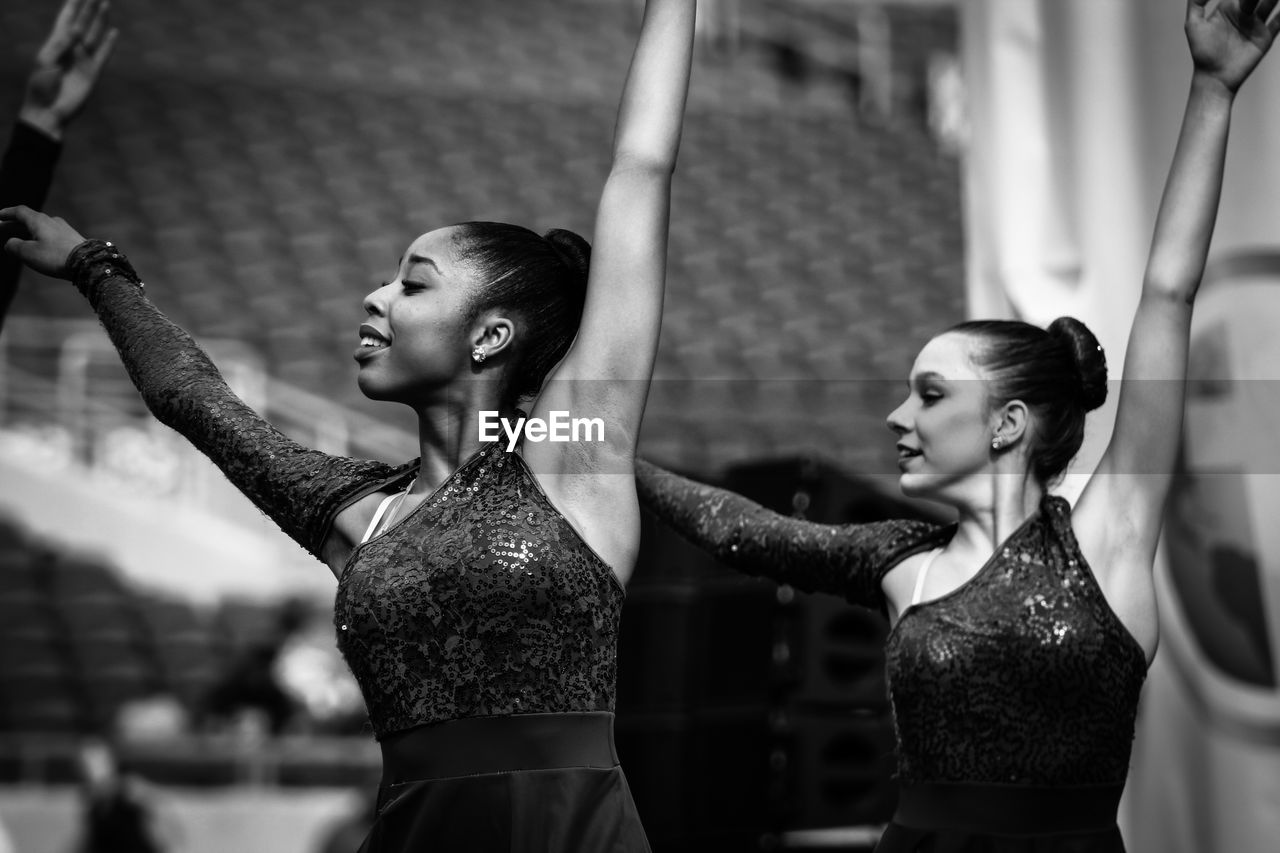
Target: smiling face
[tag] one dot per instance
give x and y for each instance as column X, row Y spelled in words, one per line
column 944, row 427
column 417, row 338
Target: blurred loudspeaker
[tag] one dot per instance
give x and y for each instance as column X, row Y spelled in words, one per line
column 832, row 654
column 839, row 769
column 833, row 741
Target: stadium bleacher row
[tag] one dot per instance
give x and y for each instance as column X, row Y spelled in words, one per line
column 264, row 180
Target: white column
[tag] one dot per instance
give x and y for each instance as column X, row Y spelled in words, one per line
column 1056, row 218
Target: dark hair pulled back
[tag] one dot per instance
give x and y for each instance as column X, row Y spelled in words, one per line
column 1059, row 373
column 542, row 280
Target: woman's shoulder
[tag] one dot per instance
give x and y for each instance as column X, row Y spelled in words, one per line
column 354, row 479
column 340, row 522
column 895, row 540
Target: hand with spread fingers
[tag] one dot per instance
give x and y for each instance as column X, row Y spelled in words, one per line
column 1228, row 41
column 68, row 65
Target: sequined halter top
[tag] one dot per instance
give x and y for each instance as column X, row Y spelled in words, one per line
column 1023, row 675
column 481, row 601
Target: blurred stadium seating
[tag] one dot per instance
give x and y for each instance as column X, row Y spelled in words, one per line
column 264, row 166
column 79, row 643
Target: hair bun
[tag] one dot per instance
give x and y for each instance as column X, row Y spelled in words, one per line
column 1090, row 360
column 574, row 251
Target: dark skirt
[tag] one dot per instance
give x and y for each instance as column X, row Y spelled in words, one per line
column 530, row 783
column 963, row 818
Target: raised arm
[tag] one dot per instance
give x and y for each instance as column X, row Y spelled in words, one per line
column 848, row 560
column 1128, row 494
column 65, row 73
column 606, row 373
column 299, row 489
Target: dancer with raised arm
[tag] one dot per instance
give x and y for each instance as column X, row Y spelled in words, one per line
column 64, row 75
column 479, row 590
column 1021, row 634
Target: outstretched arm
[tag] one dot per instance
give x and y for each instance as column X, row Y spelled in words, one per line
column 299, row 489
column 848, row 560
column 607, row 370
column 1128, row 499
column 66, row 70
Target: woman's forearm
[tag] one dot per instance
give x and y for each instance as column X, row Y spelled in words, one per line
column 651, row 110
column 1189, row 206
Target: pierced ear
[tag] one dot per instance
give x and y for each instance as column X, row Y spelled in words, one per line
column 1011, row 422
column 494, row 335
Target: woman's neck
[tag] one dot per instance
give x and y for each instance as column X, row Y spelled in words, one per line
column 998, row 506
column 448, row 435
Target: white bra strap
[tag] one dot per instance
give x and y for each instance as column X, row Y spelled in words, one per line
column 922, row 574
column 377, row 516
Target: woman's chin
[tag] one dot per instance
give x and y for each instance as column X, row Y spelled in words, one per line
column 914, row 485
column 371, row 388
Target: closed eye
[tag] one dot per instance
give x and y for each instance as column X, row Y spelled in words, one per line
column 926, row 387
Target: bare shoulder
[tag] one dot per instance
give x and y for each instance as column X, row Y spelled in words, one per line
column 348, row 529
column 899, row 582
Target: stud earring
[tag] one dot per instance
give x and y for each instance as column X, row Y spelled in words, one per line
column 996, row 443
column 478, row 354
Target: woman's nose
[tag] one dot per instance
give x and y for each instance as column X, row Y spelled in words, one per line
column 896, row 421
column 374, row 304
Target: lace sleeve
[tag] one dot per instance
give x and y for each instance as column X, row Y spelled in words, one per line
column 300, row 489
column 848, row 560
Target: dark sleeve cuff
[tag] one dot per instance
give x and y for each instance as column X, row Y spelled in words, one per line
column 93, row 262
column 27, row 168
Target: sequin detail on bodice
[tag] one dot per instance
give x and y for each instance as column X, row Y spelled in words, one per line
column 1023, row 675
column 482, row 601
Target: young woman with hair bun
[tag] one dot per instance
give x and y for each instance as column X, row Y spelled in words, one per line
column 479, row 587
column 1022, row 633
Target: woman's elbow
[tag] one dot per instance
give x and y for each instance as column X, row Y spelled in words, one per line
column 651, row 165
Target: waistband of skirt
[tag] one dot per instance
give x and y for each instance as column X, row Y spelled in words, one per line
column 1008, row 809
column 476, row 745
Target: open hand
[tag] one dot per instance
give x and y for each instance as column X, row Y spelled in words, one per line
column 1227, row 43
column 68, row 64
column 49, row 240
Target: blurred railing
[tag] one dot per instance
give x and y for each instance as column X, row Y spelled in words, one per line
column 65, row 399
